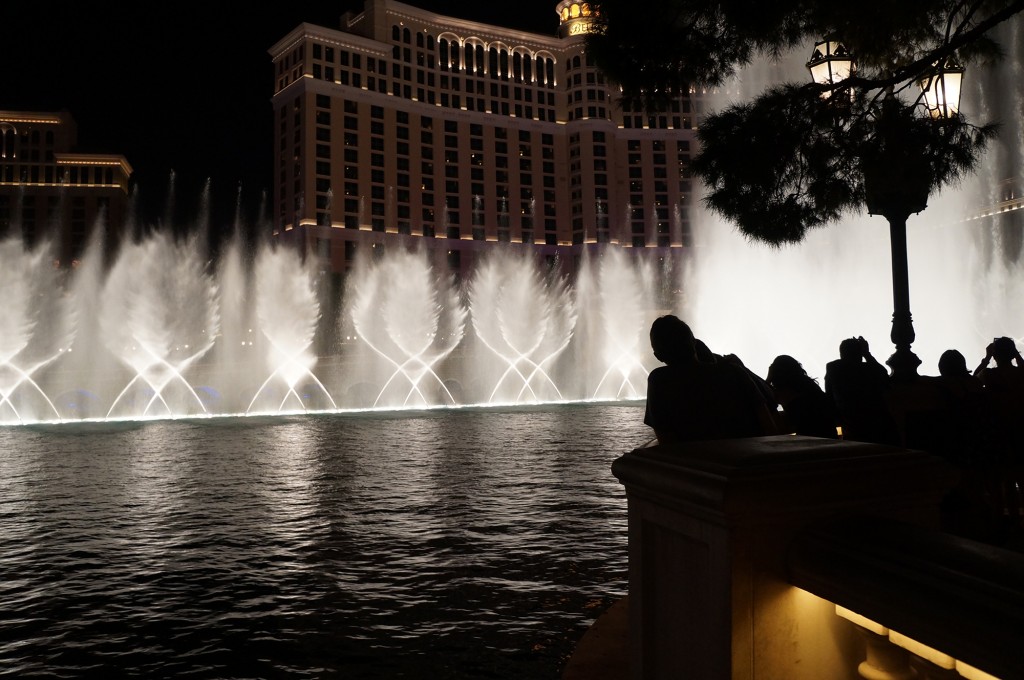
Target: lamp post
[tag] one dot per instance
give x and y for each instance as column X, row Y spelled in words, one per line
column 897, row 175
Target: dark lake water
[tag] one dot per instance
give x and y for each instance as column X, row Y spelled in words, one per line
column 466, row 543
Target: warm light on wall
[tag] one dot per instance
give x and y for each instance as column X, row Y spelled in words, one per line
column 18, row 119
column 914, row 647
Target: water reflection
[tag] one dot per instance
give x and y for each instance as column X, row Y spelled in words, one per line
column 450, row 543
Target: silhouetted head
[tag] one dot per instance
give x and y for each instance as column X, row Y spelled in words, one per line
column 672, row 340
column 952, row 364
column 851, row 350
column 784, row 370
column 1003, row 350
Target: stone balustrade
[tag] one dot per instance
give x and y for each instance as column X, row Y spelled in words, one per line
column 740, row 551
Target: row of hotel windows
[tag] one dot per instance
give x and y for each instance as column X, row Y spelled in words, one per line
column 28, row 145
column 523, row 102
column 498, row 63
column 451, row 215
column 354, row 203
column 26, row 173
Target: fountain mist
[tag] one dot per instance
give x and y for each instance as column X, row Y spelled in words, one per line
column 161, row 332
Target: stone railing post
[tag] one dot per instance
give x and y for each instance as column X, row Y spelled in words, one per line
column 709, row 525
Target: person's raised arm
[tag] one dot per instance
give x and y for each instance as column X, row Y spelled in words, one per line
column 869, row 358
column 984, row 362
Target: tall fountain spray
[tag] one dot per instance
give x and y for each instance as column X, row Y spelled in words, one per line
column 163, row 332
column 407, row 320
column 287, row 313
column 966, row 285
column 160, row 316
column 526, row 321
column 36, row 328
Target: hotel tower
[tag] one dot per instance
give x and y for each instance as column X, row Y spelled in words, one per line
column 49, row 190
column 403, row 126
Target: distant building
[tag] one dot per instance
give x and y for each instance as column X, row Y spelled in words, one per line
column 405, row 126
column 49, row 190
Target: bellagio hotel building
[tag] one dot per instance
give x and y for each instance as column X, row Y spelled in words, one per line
column 409, row 127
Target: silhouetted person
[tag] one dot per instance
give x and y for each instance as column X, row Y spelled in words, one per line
column 955, row 376
column 1009, row 369
column 806, row 409
column 858, row 386
column 1004, row 391
column 962, row 430
column 688, row 400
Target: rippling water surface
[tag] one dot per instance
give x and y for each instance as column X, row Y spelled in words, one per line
column 450, row 543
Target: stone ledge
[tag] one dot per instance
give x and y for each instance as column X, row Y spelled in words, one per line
column 602, row 653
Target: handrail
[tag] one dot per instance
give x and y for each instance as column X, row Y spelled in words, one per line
column 961, row 597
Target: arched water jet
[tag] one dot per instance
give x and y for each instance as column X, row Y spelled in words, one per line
column 411, row 319
column 36, row 325
column 526, row 321
column 287, row 314
column 618, row 296
column 159, row 316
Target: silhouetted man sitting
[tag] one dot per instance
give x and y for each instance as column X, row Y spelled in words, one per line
column 688, row 400
column 858, row 386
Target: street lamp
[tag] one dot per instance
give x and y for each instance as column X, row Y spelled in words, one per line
column 830, row 63
column 942, row 89
column 897, row 175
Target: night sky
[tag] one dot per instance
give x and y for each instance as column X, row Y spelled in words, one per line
column 177, row 89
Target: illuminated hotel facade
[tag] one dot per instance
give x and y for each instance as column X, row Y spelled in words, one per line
column 409, row 127
column 48, row 190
